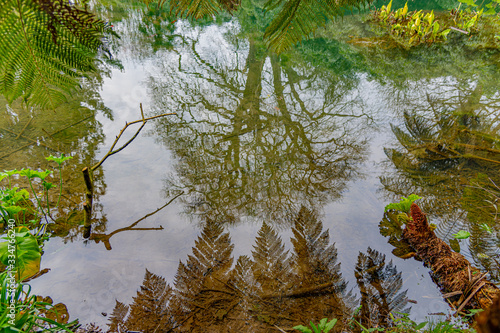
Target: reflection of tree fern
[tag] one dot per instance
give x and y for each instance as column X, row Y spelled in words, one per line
column 315, row 260
column 117, row 318
column 481, row 199
column 317, row 271
column 46, row 46
column 295, row 20
column 148, row 312
column 271, row 265
column 379, row 285
column 201, row 291
column 198, row 9
column 299, row 18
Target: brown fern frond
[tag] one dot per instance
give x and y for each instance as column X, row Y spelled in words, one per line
column 149, row 312
column 380, row 285
column 117, row 318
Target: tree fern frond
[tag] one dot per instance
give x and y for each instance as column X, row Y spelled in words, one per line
column 149, row 311
column 271, row 265
column 46, row 47
column 117, row 318
column 198, row 9
column 299, row 18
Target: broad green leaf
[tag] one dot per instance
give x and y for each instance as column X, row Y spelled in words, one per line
column 59, row 160
column 26, row 251
column 462, row 234
column 405, row 203
column 303, row 329
column 329, row 325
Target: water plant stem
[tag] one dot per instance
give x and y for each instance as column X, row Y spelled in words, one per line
column 60, row 185
column 37, row 200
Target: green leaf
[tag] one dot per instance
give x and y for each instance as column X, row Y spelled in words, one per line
column 462, row 234
column 420, row 326
column 486, row 228
column 59, row 160
column 47, row 186
column 315, row 329
column 404, row 204
column 35, row 174
column 329, row 326
column 303, row 329
column 47, row 46
column 26, row 251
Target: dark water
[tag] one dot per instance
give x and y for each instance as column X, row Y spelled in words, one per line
column 283, row 164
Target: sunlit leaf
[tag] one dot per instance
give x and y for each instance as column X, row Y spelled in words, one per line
column 462, row 234
column 26, row 253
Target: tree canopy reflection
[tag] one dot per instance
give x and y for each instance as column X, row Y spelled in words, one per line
column 254, row 134
column 269, row 289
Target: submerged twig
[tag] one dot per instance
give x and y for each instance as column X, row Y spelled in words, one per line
column 24, row 128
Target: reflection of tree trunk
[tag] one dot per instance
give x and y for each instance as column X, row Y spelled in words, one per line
column 294, row 126
column 247, row 112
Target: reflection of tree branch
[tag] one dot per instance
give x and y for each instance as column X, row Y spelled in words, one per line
column 143, row 121
column 105, row 238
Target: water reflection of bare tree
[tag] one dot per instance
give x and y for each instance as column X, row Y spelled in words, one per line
column 448, row 138
column 380, row 285
column 264, row 292
column 254, row 136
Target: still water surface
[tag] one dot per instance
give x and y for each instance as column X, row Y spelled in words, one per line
column 329, row 132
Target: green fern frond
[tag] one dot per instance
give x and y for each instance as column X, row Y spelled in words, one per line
column 297, row 19
column 198, row 9
column 46, row 47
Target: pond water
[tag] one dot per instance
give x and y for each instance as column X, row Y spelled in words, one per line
column 264, row 155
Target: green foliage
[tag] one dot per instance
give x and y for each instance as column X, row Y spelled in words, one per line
column 409, row 29
column 10, row 201
column 59, row 160
column 29, row 314
column 403, row 321
column 492, row 7
column 297, row 19
column 21, row 253
column 324, row 326
column 46, row 47
column 466, row 21
column 403, row 205
column 462, row 234
column 291, row 21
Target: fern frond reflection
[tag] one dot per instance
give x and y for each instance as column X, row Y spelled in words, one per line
column 267, row 289
column 380, row 285
column 449, row 138
column 256, row 139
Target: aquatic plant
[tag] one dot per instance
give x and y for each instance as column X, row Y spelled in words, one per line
column 404, row 204
column 409, row 29
column 22, row 312
column 324, row 326
column 21, row 253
